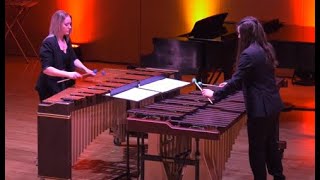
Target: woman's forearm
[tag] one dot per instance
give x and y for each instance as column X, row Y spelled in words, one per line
column 80, row 65
column 51, row 71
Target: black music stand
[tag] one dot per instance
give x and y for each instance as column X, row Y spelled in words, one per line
column 21, row 8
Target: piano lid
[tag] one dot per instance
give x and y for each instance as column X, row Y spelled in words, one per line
column 198, row 51
column 210, row 27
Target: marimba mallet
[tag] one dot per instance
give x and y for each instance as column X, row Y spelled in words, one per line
column 202, row 84
column 86, row 74
column 195, row 81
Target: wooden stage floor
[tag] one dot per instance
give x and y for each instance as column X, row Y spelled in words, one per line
column 103, row 160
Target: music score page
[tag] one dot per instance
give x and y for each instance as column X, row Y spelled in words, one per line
column 148, row 90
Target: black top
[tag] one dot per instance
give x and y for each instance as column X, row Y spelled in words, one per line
column 52, row 55
column 256, row 78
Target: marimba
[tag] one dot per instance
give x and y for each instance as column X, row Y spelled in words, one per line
column 71, row 119
column 175, row 127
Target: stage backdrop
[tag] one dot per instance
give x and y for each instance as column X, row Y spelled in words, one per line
column 121, row 31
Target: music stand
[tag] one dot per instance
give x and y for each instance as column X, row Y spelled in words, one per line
column 21, row 8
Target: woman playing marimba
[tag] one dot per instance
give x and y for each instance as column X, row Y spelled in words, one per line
column 255, row 77
column 58, row 58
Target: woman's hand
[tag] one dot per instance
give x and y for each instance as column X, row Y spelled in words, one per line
column 90, row 72
column 73, row 75
column 207, row 93
column 81, row 66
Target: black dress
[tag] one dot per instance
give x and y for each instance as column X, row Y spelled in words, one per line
column 52, row 55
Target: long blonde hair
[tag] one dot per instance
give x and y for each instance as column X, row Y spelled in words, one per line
column 56, row 20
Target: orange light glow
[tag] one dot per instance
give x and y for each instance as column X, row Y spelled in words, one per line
column 195, row 10
column 308, row 124
column 303, row 12
column 310, row 13
column 83, row 19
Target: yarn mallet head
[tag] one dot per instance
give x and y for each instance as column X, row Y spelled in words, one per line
column 194, row 80
column 103, row 72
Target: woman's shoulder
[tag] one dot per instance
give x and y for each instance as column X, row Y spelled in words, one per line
column 49, row 42
column 253, row 49
column 49, row 39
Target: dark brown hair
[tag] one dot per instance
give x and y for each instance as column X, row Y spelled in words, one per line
column 251, row 31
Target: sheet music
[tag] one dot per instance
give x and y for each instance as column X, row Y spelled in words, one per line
column 135, row 94
column 151, row 89
column 164, row 85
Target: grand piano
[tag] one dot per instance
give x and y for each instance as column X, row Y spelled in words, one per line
column 212, row 44
column 209, row 47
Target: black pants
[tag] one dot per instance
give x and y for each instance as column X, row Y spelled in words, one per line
column 263, row 134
